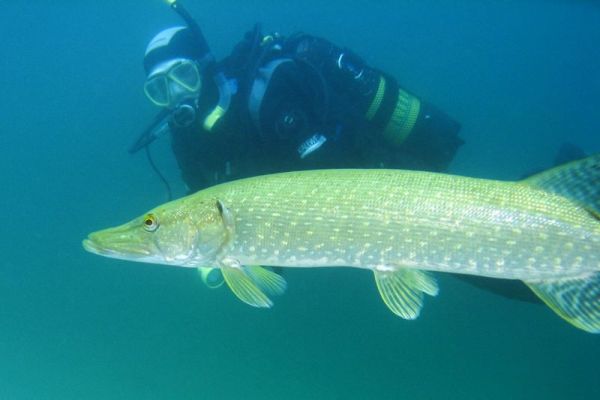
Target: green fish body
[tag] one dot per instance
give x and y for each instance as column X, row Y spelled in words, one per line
column 544, row 231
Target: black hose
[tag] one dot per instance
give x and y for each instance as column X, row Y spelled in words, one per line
column 160, row 175
column 149, row 134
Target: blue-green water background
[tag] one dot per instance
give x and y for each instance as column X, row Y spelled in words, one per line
column 522, row 77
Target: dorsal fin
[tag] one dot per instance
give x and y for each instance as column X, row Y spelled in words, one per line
column 578, row 180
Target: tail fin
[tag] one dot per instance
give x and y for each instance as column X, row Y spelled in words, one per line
column 575, row 299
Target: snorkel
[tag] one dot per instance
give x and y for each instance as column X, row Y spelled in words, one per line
column 195, row 29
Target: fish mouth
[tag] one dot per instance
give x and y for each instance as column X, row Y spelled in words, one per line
column 113, row 244
column 96, row 248
column 90, row 246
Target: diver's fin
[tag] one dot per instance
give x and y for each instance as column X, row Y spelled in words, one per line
column 402, row 290
column 244, row 287
column 267, row 280
column 578, row 180
column 577, row 300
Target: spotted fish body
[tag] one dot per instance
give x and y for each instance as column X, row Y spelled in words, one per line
column 544, row 231
column 385, row 220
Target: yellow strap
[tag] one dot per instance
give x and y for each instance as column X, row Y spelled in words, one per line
column 376, row 103
column 403, row 118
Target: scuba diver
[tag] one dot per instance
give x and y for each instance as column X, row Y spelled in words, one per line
column 283, row 103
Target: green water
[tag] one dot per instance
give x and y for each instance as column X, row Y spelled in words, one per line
column 521, row 76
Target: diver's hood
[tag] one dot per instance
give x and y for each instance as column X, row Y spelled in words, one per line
column 173, row 43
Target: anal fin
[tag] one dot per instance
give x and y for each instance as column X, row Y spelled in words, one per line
column 576, row 299
column 402, row 290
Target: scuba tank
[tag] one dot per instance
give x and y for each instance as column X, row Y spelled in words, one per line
column 389, row 109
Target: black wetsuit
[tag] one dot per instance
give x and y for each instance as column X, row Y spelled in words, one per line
column 291, row 89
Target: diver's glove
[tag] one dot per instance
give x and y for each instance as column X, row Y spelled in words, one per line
column 312, row 144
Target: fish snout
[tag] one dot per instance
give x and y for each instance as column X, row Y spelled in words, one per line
column 116, row 244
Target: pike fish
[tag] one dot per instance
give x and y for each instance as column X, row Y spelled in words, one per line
column 543, row 230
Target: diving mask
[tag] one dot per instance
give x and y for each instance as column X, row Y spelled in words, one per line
column 172, row 82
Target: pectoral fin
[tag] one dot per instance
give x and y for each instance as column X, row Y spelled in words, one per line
column 269, row 281
column 244, row 288
column 402, row 290
column 251, row 284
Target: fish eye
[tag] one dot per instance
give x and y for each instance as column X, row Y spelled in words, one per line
column 150, row 223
